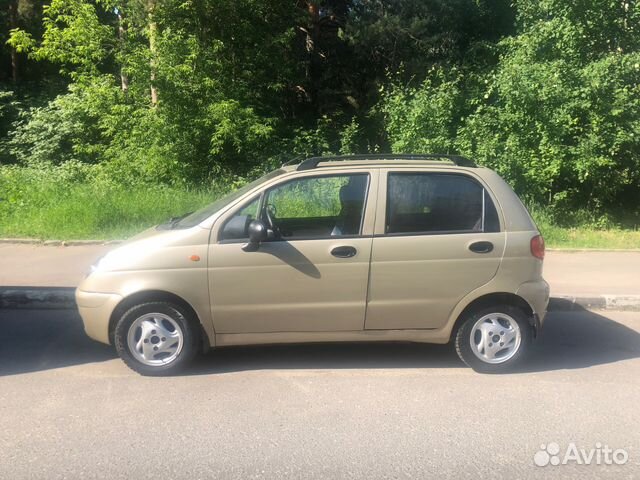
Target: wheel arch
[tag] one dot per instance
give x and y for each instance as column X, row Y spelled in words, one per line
column 146, row 296
column 495, row 298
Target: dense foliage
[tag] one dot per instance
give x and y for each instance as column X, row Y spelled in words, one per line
column 558, row 114
column 190, row 93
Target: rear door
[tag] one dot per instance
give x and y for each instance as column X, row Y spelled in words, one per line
column 438, row 236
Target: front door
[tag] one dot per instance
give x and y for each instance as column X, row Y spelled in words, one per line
column 313, row 275
column 438, row 237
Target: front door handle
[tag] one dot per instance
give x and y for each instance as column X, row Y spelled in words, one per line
column 481, row 247
column 344, row 252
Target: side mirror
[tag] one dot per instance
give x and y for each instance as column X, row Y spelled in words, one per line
column 257, row 234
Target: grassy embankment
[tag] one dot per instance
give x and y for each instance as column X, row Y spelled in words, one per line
column 56, row 209
column 68, row 205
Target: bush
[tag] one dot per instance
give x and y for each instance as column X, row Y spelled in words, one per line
column 558, row 116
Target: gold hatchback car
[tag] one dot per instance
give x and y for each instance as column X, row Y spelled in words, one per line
column 418, row 248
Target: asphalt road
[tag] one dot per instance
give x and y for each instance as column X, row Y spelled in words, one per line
column 70, row 409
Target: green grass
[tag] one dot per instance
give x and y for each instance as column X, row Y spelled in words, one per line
column 65, row 211
column 584, row 237
column 87, row 214
column 45, row 207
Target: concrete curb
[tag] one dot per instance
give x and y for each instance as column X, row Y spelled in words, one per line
column 629, row 303
column 37, row 298
column 64, row 298
column 58, row 243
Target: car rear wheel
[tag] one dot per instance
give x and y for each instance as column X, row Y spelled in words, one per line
column 156, row 338
column 495, row 339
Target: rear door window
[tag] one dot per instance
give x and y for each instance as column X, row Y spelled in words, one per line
column 432, row 203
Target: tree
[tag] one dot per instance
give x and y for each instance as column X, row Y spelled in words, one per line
column 562, row 115
column 19, row 14
column 558, row 115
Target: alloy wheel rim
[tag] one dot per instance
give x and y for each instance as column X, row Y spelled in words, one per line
column 495, row 338
column 155, row 339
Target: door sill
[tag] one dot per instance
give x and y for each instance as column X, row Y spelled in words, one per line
column 421, row 336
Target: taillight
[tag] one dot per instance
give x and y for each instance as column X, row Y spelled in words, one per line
column 537, row 247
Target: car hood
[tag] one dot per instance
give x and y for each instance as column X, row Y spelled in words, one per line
column 157, row 249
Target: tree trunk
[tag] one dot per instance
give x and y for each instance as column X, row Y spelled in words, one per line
column 13, row 23
column 312, row 35
column 313, row 70
column 153, row 48
column 124, row 80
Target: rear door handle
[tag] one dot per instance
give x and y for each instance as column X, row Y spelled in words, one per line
column 481, row 247
column 344, row 252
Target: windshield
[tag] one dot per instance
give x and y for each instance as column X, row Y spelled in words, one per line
column 199, row 216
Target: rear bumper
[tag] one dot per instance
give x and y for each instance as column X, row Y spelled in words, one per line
column 95, row 310
column 537, row 295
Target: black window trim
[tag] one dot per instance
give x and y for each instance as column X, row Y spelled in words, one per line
column 261, row 205
column 485, row 192
column 233, row 213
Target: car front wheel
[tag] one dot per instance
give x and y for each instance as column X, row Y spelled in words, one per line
column 495, row 339
column 156, row 338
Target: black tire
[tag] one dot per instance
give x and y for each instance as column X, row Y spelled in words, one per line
column 182, row 320
column 469, row 357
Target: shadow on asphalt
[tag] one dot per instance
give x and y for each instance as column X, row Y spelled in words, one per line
column 581, row 339
column 33, row 340
column 570, row 340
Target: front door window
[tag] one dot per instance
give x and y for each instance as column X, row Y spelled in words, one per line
column 317, row 207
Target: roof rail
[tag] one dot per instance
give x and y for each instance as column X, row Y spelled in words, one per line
column 311, row 163
column 293, row 161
